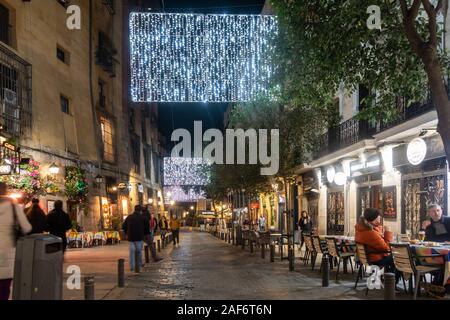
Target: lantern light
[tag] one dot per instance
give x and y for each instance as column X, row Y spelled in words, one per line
column 54, row 169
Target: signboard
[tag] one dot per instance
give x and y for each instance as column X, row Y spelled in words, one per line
column 389, row 203
column 416, row 151
column 434, row 150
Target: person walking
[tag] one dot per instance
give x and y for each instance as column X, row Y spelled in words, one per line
column 136, row 227
column 262, row 223
column 175, row 227
column 59, row 223
column 153, row 226
column 11, row 217
column 37, row 218
column 163, row 226
column 305, row 225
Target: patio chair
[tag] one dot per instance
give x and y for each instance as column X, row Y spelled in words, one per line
column 335, row 252
column 318, row 249
column 310, row 252
column 405, row 263
column 363, row 260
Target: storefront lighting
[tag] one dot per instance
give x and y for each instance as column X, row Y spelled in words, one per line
column 172, row 202
column 416, row 151
column 114, row 189
column 340, row 178
column 150, row 201
column 192, row 207
column 331, row 173
column 160, row 203
column 15, row 195
column 54, row 169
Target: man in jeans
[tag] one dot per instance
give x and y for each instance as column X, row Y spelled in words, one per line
column 135, row 227
column 175, row 227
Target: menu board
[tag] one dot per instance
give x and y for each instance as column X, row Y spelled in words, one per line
column 389, row 203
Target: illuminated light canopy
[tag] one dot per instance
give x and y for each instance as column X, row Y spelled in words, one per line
column 185, row 193
column 179, row 171
column 200, row 58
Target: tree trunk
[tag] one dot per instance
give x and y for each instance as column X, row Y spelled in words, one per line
column 440, row 97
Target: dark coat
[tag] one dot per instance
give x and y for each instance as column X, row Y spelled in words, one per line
column 59, row 223
column 305, row 226
column 37, row 219
column 136, row 226
column 430, row 232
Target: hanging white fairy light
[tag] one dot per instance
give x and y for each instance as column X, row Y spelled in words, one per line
column 180, row 171
column 200, row 58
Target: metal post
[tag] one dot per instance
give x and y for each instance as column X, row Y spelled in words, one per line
column 272, row 253
column 291, row 259
column 263, row 251
column 163, row 242
column 389, row 286
column 137, row 263
column 325, row 272
column 89, row 290
column 229, row 236
column 121, row 273
column 251, row 246
column 147, row 258
column 159, row 245
column 233, row 241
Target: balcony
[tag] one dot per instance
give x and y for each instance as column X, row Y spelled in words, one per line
column 354, row 130
column 15, row 94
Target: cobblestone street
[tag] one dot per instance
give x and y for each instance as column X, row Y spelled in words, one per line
column 204, row 267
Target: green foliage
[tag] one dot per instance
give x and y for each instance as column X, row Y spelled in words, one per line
column 76, row 187
column 325, row 44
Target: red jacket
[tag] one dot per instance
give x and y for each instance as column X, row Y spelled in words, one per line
column 373, row 238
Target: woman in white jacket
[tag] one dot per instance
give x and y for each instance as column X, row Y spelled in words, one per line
column 7, row 239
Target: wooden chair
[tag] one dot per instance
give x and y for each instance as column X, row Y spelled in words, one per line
column 310, row 252
column 318, row 249
column 335, row 252
column 405, row 263
column 363, row 257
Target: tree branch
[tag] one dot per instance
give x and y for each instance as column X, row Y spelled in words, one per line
column 432, row 23
column 414, row 11
column 409, row 23
column 439, row 6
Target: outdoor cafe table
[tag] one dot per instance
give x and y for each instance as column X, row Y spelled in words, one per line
column 421, row 250
column 87, row 238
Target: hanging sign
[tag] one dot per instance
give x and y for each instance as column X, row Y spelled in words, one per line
column 416, row 151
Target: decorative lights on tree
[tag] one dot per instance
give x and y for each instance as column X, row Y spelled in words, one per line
column 194, row 57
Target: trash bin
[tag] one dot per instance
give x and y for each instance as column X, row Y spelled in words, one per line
column 38, row 269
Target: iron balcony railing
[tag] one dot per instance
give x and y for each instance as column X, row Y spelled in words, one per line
column 15, row 93
column 355, row 130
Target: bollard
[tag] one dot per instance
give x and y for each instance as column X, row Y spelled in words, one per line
column 389, row 286
column 251, row 246
column 121, row 273
column 89, row 290
column 291, row 259
column 243, row 244
column 233, row 241
column 229, row 237
column 325, row 271
column 159, row 245
column 272, row 253
column 154, row 247
column 137, row 263
column 163, row 242
column 147, row 257
column 263, row 251
column 226, row 237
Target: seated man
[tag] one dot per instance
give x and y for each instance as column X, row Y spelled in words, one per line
column 437, row 227
column 368, row 231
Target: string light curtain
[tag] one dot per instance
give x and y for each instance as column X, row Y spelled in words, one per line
column 179, row 171
column 200, row 58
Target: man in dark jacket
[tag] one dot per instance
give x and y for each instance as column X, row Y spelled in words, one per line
column 437, row 228
column 36, row 217
column 59, row 223
column 136, row 227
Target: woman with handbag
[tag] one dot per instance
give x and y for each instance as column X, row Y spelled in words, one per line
column 13, row 222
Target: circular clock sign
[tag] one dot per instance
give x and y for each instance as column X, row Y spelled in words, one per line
column 416, row 152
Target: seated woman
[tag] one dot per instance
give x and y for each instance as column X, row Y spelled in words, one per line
column 368, row 231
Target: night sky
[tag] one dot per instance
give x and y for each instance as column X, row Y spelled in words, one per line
column 184, row 114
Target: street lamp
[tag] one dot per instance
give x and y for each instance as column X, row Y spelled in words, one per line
column 150, row 201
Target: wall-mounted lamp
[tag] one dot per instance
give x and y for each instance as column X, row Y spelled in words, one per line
column 54, row 169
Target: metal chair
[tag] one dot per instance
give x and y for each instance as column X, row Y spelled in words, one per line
column 335, row 252
column 405, row 263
